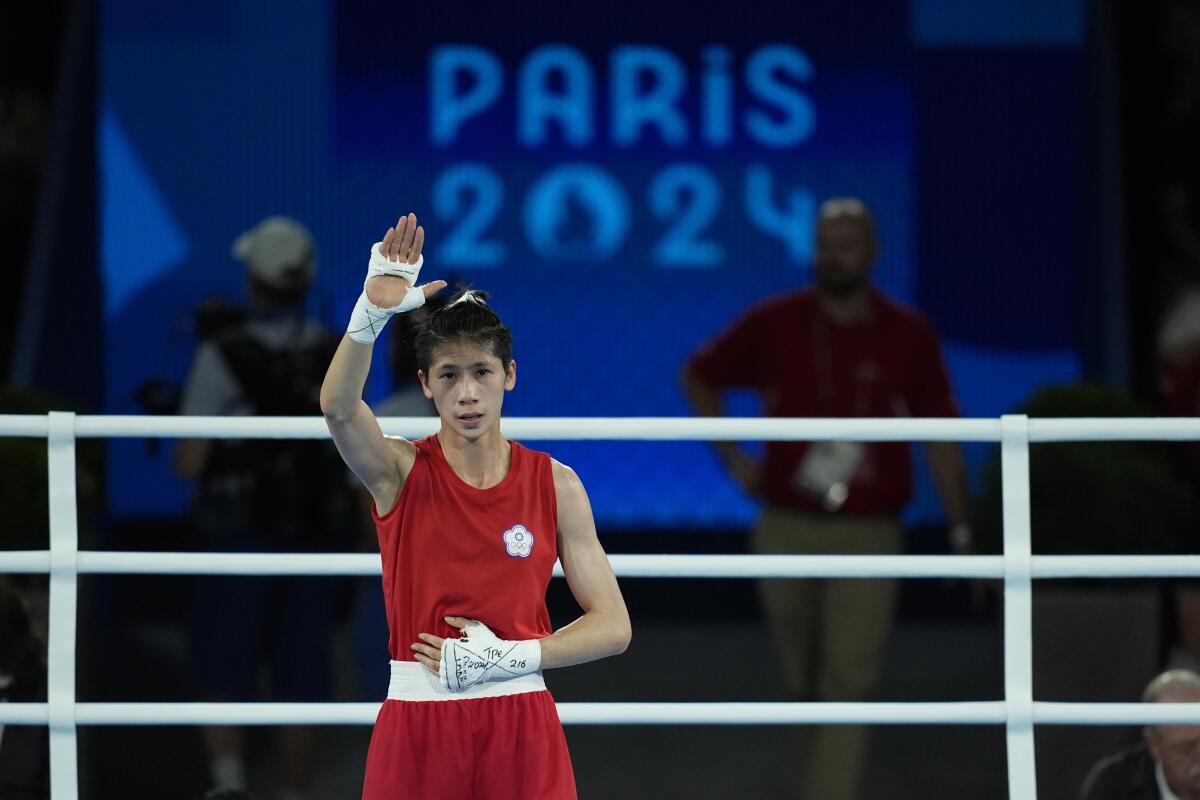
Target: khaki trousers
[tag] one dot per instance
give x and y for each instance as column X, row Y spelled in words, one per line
column 830, row 634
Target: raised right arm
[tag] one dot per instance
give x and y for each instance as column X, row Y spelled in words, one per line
column 380, row 462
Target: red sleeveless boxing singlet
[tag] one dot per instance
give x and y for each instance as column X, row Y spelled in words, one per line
column 451, row 549
column 486, row 554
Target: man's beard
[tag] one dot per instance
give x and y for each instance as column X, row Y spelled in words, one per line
column 841, row 286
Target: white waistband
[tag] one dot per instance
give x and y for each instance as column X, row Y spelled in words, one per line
column 413, row 682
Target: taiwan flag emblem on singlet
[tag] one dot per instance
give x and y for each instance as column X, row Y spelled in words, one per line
column 518, row 541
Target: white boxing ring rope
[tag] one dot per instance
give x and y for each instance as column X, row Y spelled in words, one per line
column 1017, row 568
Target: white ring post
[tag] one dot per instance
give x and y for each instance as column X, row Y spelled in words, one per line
column 1018, row 606
column 64, row 548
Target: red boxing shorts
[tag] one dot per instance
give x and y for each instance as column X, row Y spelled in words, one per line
column 498, row 746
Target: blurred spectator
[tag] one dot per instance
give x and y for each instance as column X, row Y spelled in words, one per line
column 1178, row 338
column 1178, row 363
column 1165, row 765
column 407, row 398
column 840, row 349
column 274, row 496
column 24, row 749
column 1180, row 172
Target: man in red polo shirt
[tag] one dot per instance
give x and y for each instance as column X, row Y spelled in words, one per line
column 839, row 349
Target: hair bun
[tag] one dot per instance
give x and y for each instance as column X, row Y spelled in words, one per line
column 466, row 316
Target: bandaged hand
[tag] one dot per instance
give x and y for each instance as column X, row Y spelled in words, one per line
column 479, row 656
column 397, row 256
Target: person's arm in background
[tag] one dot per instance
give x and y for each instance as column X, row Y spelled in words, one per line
column 706, row 402
column 211, row 390
column 936, row 399
column 725, row 362
column 950, row 476
column 190, row 458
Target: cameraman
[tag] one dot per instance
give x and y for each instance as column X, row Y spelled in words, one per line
column 264, row 496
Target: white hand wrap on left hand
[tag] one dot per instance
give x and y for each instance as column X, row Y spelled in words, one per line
column 479, row 656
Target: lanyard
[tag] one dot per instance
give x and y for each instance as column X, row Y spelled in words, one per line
column 865, row 372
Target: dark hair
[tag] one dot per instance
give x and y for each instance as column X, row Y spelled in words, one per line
column 466, row 318
column 402, row 357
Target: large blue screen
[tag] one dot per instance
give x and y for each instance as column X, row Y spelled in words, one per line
column 623, row 178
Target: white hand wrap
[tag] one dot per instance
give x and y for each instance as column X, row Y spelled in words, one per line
column 382, row 265
column 478, row 656
column 367, row 319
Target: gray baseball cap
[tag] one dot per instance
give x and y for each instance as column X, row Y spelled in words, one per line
column 278, row 251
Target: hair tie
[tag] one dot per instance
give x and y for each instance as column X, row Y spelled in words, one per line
column 469, row 294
